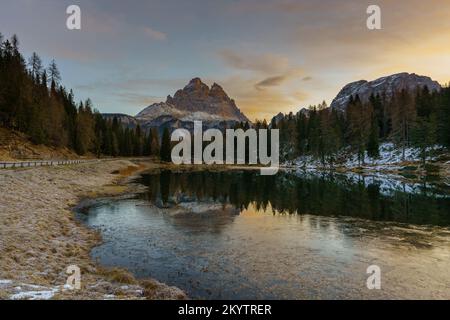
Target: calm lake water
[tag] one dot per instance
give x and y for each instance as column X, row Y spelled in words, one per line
column 239, row 235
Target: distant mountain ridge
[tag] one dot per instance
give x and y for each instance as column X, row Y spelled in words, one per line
column 125, row 119
column 213, row 106
column 383, row 86
column 386, row 86
column 196, row 101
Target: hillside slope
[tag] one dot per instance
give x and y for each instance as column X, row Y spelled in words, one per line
column 17, row 146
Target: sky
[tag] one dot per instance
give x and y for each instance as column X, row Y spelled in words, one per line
column 270, row 56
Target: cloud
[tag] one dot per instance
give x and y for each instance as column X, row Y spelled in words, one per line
column 264, row 83
column 259, row 104
column 270, row 82
column 138, row 99
column 101, row 22
column 268, row 63
column 300, row 95
column 155, row 34
column 257, row 6
column 128, row 84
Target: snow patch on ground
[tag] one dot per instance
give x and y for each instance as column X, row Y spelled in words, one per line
column 34, row 295
column 390, row 158
column 25, row 291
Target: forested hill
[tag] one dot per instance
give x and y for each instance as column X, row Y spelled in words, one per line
column 34, row 101
column 409, row 117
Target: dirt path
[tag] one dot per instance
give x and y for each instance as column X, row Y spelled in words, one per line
column 40, row 238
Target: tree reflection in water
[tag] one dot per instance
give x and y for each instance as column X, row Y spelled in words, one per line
column 324, row 195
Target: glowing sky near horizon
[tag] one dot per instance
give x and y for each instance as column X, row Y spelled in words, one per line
column 270, row 56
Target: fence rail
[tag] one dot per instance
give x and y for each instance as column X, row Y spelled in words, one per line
column 41, row 163
column 47, row 163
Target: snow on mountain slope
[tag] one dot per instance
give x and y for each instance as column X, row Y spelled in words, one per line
column 157, row 110
column 383, row 86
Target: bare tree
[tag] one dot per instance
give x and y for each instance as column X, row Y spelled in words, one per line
column 53, row 72
column 35, row 64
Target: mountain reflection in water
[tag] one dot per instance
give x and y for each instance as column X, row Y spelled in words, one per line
column 326, row 195
column 238, row 235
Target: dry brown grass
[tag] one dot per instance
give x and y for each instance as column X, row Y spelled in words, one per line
column 39, row 237
column 129, row 170
column 154, row 290
column 117, row 275
column 16, row 146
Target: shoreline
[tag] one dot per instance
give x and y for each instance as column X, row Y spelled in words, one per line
column 413, row 235
column 41, row 237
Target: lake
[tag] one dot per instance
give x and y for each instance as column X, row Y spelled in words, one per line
column 239, row 235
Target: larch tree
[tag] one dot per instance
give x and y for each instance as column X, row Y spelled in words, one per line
column 403, row 115
column 165, row 152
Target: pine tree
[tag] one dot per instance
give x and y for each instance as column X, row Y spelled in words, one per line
column 148, row 144
column 301, row 134
column 359, row 116
column 373, row 145
column 443, row 117
column 424, row 134
column 403, row 116
column 35, row 64
column 166, row 149
column 155, row 147
column 85, row 129
column 53, row 72
column 138, row 142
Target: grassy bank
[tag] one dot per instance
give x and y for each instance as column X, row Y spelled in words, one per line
column 40, row 238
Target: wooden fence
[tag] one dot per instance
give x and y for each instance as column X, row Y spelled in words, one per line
column 40, row 163
column 45, row 163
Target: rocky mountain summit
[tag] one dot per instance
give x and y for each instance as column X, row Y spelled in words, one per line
column 196, row 101
column 383, row 86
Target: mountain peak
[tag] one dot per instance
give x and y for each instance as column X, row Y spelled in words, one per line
column 196, row 101
column 217, row 91
column 386, row 86
column 196, row 84
column 196, row 80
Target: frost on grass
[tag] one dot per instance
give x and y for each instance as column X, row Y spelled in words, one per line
column 40, row 238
